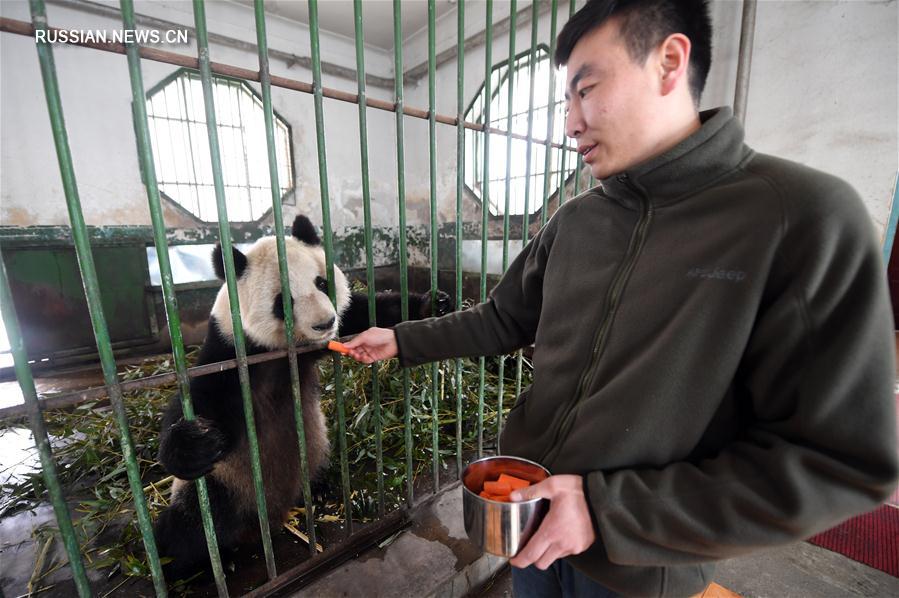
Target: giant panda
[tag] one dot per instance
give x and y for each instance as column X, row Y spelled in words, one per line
column 215, row 444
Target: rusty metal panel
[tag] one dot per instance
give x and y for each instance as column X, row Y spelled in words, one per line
column 50, row 302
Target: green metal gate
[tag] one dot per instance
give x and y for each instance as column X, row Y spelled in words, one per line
column 89, row 276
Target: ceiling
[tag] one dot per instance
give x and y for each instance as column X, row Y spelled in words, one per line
column 336, row 16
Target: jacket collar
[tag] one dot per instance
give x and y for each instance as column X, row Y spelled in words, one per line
column 712, row 151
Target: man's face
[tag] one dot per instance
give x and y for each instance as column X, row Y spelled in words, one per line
column 611, row 102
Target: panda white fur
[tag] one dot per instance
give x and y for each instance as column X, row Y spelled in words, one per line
column 215, row 444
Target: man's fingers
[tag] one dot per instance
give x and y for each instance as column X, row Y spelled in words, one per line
column 548, row 558
column 532, row 551
column 539, row 490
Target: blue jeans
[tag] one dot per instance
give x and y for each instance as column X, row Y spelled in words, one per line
column 560, row 580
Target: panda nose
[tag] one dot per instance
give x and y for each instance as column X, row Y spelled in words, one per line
column 324, row 325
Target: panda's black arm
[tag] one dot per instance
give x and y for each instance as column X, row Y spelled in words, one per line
column 189, row 449
column 388, row 310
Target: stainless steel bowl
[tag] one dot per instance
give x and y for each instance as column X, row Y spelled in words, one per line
column 501, row 528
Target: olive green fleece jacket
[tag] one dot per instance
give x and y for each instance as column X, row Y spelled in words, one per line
column 713, row 351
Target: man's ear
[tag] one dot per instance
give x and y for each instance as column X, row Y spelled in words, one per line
column 674, row 57
column 218, row 262
column 302, row 230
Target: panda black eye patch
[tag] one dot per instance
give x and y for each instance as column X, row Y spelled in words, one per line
column 278, row 306
column 321, row 284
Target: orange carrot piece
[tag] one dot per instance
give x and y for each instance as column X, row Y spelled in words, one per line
column 339, row 347
column 501, row 498
column 513, row 482
column 497, row 488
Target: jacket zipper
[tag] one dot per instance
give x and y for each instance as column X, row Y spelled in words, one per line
column 613, row 298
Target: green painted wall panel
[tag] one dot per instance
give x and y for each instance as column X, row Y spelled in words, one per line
column 50, row 302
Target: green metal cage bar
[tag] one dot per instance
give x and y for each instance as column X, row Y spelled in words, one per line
column 460, row 185
column 527, row 188
column 513, row 14
column 551, row 116
column 231, row 280
column 369, row 259
column 432, row 170
column 148, row 168
column 401, row 202
column 317, row 94
column 532, row 67
column 577, row 174
column 277, row 214
column 92, row 290
column 41, row 439
column 485, row 203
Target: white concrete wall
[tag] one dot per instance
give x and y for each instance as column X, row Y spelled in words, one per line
column 823, row 92
column 96, row 98
column 823, row 88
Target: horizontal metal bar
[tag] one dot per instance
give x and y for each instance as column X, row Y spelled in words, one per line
column 100, row 392
column 23, row 28
column 291, row 59
column 416, row 73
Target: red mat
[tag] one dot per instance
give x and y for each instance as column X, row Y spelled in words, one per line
column 872, row 539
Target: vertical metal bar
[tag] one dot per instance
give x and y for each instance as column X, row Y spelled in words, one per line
column 532, row 73
column 527, row 176
column 577, row 161
column 92, row 289
column 165, row 269
column 329, row 251
column 577, row 174
column 39, row 431
column 231, row 280
column 401, row 202
column 432, row 145
column 485, row 205
column 266, row 80
column 510, row 77
column 744, row 61
column 513, row 14
column 551, row 116
column 460, row 185
column 369, row 259
column 195, row 187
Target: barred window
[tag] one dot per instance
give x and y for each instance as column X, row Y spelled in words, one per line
column 180, row 143
column 499, row 110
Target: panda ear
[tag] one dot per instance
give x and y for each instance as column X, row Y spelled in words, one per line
column 303, row 230
column 218, row 262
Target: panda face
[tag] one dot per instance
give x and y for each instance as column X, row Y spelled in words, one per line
column 261, row 300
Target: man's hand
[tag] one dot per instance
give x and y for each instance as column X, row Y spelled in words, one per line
column 375, row 344
column 567, row 528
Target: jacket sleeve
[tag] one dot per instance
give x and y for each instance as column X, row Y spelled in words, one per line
column 819, row 374
column 505, row 322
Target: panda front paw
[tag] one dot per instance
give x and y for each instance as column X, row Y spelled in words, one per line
column 443, row 305
column 190, row 449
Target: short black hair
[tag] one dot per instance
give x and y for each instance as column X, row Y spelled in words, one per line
column 644, row 25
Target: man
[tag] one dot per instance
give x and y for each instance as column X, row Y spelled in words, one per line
column 713, row 351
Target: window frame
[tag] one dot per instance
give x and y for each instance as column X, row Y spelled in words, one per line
column 537, row 210
column 287, row 198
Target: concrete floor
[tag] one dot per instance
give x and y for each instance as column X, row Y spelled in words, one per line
column 798, row 571
column 433, row 558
